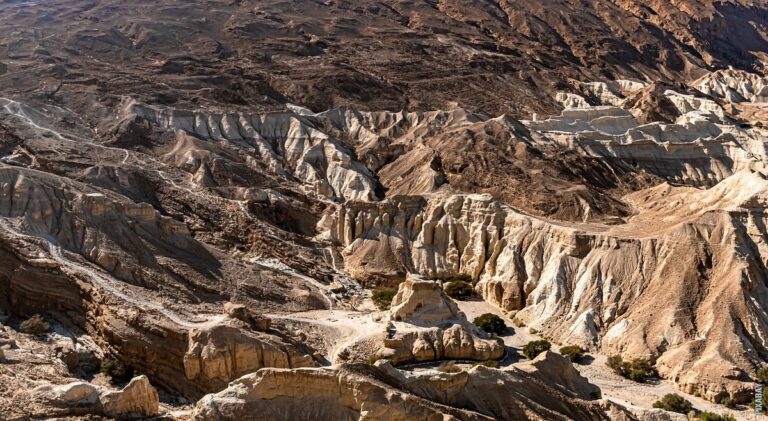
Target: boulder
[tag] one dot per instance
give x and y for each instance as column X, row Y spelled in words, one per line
column 423, row 303
column 137, row 399
column 76, row 394
column 224, row 352
column 558, row 371
column 241, row 312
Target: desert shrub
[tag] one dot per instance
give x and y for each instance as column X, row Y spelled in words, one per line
column 638, row 370
column 614, row 363
column 448, row 367
column 459, row 290
column 534, row 348
column 116, row 370
column 460, row 277
column 728, row 402
column 711, row 416
column 383, row 297
column 35, row 325
column 572, row 352
column 489, row 363
column 674, row 403
column 490, row 323
column 762, row 375
column 533, row 331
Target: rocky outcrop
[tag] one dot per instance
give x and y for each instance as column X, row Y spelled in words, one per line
column 558, row 372
column 315, row 394
column 697, row 150
column 423, row 303
column 734, row 86
column 138, row 399
column 426, row 325
column 533, row 391
column 224, row 352
column 598, row 286
column 286, row 142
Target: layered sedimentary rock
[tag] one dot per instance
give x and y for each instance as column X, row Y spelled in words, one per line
column 138, row 399
column 621, row 289
column 383, row 392
column 284, row 141
column 425, row 325
column 224, row 352
column 312, row 394
column 548, row 387
column 698, row 149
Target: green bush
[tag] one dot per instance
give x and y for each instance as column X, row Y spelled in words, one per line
column 638, row 370
column 614, row 363
column 762, row 375
column 711, row 416
column 674, row 403
column 534, row 348
column 116, row 370
column 728, row 402
column 489, row 363
column 459, row 290
column 35, row 325
column 573, row 352
column 460, row 277
column 490, row 323
column 383, row 297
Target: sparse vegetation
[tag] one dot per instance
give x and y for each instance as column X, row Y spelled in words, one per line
column 460, row 277
column 573, row 352
column 459, row 290
column 674, row 403
column 489, row 363
column 532, row 349
column 490, row 323
column 728, row 402
column 383, row 297
column 532, row 331
column 35, row 325
column 639, row 370
column 448, row 367
column 116, row 370
column 762, row 375
column 711, row 416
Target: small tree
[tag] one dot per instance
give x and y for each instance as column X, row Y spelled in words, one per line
column 490, row 323
column 711, row 416
column 573, row 352
column 638, row 370
column 35, row 325
column 674, row 403
column 459, row 290
column 615, row 363
column 532, row 349
column 383, row 297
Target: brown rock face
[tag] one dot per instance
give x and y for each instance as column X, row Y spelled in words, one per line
column 222, row 353
column 137, row 399
column 186, row 186
column 319, row 394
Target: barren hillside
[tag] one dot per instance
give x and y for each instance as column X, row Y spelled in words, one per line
column 202, row 204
